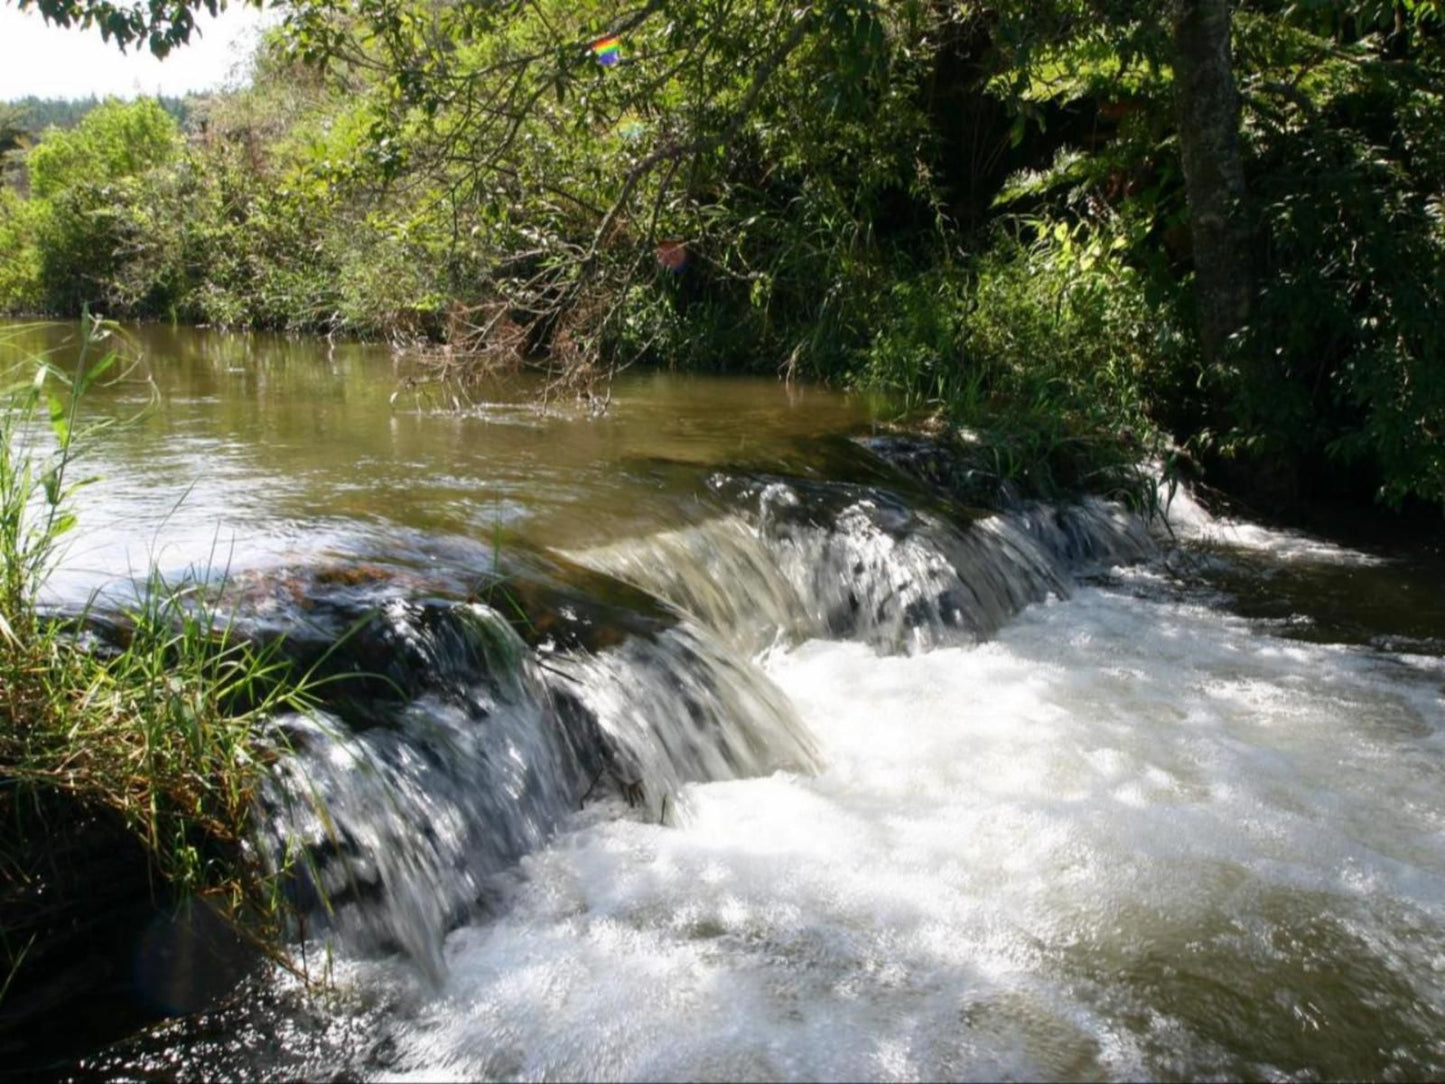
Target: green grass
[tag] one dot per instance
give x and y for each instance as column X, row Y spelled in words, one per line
column 158, row 725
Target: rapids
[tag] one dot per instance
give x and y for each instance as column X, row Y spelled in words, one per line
column 1129, row 838
column 1128, row 834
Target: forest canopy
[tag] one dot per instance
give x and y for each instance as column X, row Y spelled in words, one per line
column 1221, row 231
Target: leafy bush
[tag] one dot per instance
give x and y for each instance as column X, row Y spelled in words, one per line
column 19, row 258
column 1349, row 330
column 1050, row 342
column 88, row 217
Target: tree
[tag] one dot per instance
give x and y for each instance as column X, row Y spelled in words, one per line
column 1207, row 106
column 13, row 128
column 85, row 218
column 118, row 139
column 160, row 24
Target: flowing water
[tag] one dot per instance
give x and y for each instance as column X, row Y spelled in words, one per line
column 711, row 746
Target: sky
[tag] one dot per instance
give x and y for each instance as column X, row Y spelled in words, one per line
column 51, row 62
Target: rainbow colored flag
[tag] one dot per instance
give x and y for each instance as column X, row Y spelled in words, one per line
column 608, row 51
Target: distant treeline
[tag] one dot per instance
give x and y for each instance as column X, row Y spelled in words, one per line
column 32, row 115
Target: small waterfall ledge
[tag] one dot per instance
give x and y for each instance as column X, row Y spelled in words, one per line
column 461, row 734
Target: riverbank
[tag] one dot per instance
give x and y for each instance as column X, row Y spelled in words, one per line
column 133, row 741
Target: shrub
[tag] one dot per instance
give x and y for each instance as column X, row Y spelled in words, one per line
column 1349, row 330
column 19, row 258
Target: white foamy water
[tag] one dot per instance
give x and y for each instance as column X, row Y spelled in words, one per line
column 1190, row 521
column 1126, row 838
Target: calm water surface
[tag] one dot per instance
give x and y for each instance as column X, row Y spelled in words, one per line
column 261, row 448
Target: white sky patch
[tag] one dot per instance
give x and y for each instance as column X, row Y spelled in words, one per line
column 53, row 62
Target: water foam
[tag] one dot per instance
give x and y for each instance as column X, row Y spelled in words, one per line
column 396, row 826
column 1190, row 521
column 1127, row 838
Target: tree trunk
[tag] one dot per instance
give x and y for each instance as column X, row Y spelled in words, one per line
column 1207, row 105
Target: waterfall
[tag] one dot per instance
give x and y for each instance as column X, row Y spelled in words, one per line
column 460, row 735
column 799, row 560
column 392, row 817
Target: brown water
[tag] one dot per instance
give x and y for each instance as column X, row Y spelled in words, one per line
column 261, row 448
column 1173, row 818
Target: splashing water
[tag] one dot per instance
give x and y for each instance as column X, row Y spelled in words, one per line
column 884, row 789
column 969, row 818
column 1126, row 839
column 1191, row 521
column 860, row 563
column 397, row 831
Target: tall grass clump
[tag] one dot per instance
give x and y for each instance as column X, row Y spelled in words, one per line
column 148, row 719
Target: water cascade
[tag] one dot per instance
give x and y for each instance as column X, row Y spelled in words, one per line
column 801, row 559
column 464, row 747
column 836, row 779
column 722, row 736
column 394, row 828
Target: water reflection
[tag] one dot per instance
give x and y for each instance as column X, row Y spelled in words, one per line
column 259, row 448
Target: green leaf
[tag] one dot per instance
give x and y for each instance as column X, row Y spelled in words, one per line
column 97, row 370
column 59, row 423
column 51, row 483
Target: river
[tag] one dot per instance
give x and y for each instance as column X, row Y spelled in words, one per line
column 900, row 793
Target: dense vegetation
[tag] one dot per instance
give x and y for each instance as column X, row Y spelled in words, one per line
column 30, row 116
column 978, row 207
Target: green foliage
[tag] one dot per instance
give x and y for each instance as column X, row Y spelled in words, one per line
column 975, row 208
column 1345, row 133
column 33, row 114
column 19, row 258
column 1348, row 166
column 13, row 129
column 160, row 25
column 1051, row 342
column 919, row 349
column 1059, row 316
column 89, row 214
column 115, row 141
